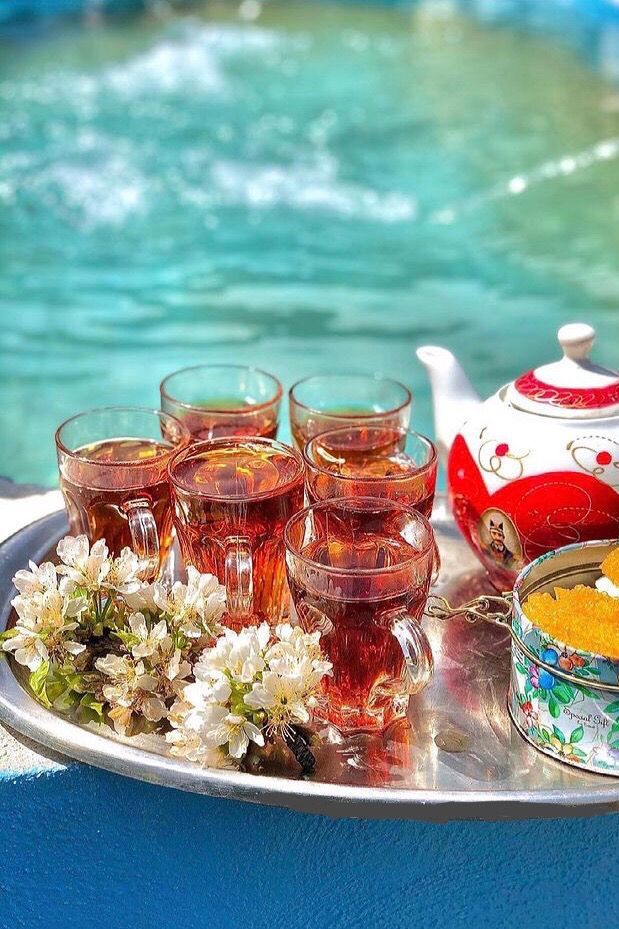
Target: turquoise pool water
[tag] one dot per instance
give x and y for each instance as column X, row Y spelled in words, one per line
column 308, row 187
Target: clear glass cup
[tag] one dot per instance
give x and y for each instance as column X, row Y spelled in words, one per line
column 113, row 476
column 372, row 461
column 359, row 572
column 232, row 499
column 327, row 401
column 221, row 400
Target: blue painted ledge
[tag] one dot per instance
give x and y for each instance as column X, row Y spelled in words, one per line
column 85, row 848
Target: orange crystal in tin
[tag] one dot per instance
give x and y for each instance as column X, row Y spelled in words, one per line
column 610, row 566
column 582, row 617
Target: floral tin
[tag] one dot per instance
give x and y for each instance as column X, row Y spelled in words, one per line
column 564, row 701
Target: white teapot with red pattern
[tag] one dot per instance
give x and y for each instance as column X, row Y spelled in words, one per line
column 536, row 466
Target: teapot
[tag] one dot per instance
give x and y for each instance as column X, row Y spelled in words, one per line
column 536, row 466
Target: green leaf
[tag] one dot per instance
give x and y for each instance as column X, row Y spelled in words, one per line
column 614, row 744
column 612, row 707
column 577, row 734
column 559, row 734
column 563, row 693
column 55, row 689
column 7, row 634
column 75, row 681
column 127, row 638
column 520, row 667
column 37, row 680
column 66, row 701
column 554, row 709
column 90, row 709
column 579, row 753
column 545, row 735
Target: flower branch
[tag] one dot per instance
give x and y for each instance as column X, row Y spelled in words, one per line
column 101, row 644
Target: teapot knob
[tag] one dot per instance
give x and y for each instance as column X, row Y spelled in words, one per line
column 576, row 340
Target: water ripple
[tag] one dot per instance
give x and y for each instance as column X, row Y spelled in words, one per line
column 304, row 185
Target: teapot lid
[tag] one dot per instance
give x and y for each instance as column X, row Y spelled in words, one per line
column 572, row 388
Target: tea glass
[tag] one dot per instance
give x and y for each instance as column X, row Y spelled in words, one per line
column 232, row 498
column 113, row 476
column 327, row 401
column 359, row 572
column 221, row 400
column 372, row 461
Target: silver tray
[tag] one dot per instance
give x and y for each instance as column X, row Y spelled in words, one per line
column 459, row 759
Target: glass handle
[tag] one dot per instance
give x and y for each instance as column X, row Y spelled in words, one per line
column 436, row 563
column 416, row 650
column 144, row 536
column 239, row 576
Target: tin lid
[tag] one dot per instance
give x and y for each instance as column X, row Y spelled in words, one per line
column 572, row 388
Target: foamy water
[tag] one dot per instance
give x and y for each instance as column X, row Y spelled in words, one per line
column 95, row 178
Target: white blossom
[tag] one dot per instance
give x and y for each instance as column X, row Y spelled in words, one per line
column 123, row 575
column 283, row 696
column 195, row 608
column 207, row 690
column 87, row 567
column 236, row 732
column 192, row 727
column 142, row 599
column 46, row 617
column 187, row 744
column 149, row 640
column 37, row 580
column 52, row 609
column 130, row 690
column 292, row 650
column 249, row 684
column 31, row 647
column 241, row 654
column 28, row 649
column 216, row 726
column 157, row 645
column 177, row 668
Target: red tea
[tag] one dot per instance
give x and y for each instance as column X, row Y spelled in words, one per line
column 101, row 480
column 214, row 419
column 214, row 401
column 305, row 427
column 373, row 462
column 232, row 499
column 351, row 576
column 330, row 401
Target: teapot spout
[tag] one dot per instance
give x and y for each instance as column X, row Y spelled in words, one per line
column 454, row 399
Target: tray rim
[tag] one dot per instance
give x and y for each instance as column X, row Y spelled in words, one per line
column 21, row 713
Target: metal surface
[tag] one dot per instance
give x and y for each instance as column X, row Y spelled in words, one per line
column 479, row 608
column 459, row 759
